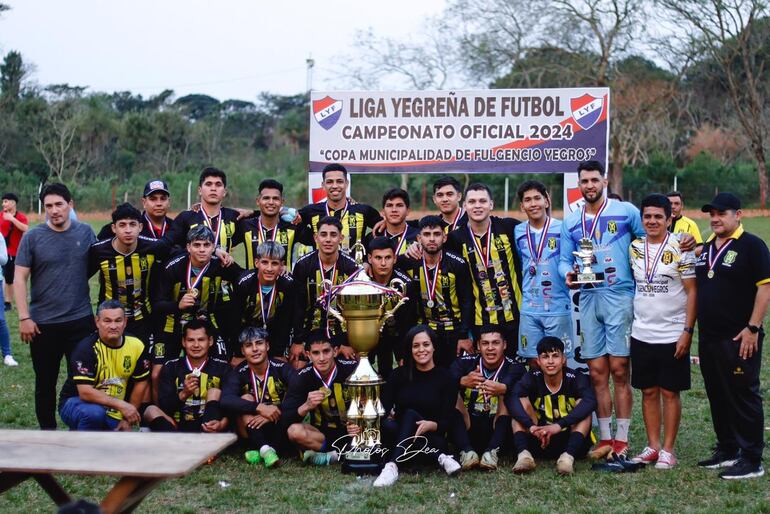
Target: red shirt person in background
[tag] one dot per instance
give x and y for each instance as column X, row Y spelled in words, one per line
column 13, row 224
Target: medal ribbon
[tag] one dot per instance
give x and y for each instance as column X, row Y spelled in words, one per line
column 262, row 235
column 713, row 262
column 266, row 313
column 535, row 255
column 152, row 227
column 401, row 241
column 484, row 256
column 328, row 299
column 190, row 366
column 459, row 215
column 342, row 212
column 651, row 267
column 595, row 224
column 493, row 378
column 208, row 221
column 431, row 285
column 327, row 383
column 191, row 284
column 255, row 380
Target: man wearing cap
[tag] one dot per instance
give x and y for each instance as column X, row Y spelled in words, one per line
column 155, row 202
column 733, row 280
column 13, row 224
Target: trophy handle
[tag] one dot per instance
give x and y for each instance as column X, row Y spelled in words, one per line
column 389, row 314
column 327, row 285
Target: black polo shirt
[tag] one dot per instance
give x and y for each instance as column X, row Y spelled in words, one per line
column 726, row 300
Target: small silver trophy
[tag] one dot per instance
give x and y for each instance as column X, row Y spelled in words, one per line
column 586, row 255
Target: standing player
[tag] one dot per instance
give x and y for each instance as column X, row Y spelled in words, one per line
column 483, row 424
column 155, row 220
column 355, row 218
column 54, row 256
column 267, row 298
column 664, row 316
column 447, row 196
column 395, row 209
column 606, row 309
column 681, row 224
column 254, row 392
column 733, row 277
column 488, row 245
column 317, row 391
column 446, row 300
column 551, row 408
column 5, row 336
column 545, row 305
column 310, row 272
column 13, row 225
column 190, row 387
column 268, row 226
column 125, row 265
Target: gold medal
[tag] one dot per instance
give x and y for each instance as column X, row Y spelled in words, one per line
column 326, row 391
column 710, row 274
column 194, row 292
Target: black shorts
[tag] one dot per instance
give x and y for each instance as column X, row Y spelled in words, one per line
column 654, row 365
column 8, row 269
column 332, row 435
column 557, row 446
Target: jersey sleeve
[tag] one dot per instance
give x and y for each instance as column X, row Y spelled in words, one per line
column 83, row 363
column 105, row 232
column 686, row 266
column 523, row 389
column 371, row 216
column 761, row 263
column 585, row 407
column 457, row 370
column 295, row 397
column 695, row 231
column 231, row 399
column 465, row 297
column 163, row 301
column 635, row 220
column 566, row 247
column 24, row 254
column 168, row 397
column 142, row 367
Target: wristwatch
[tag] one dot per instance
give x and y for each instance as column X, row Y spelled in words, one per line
column 689, row 330
column 753, row 328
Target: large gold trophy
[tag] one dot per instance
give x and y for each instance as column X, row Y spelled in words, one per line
column 361, row 309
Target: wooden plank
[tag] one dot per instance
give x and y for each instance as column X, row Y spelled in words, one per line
column 139, row 454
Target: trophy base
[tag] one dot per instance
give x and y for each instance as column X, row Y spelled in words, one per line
column 589, row 278
column 361, row 467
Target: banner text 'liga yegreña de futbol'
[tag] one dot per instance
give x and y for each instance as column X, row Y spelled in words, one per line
column 482, row 131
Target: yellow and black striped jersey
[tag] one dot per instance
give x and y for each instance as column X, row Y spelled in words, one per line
column 561, row 406
column 684, row 225
column 127, row 278
column 277, row 303
column 106, row 368
column 285, row 234
column 496, row 283
column 355, row 219
column 186, row 220
column 400, row 241
column 171, row 383
column 331, row 413
column 508, row 372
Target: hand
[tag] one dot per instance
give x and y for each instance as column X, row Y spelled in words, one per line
column 215, row 425
column 191, row 384
column 256, row 421
column 348, row 352
column 130, row 414
column 243, row 213
column 687, row 242
column 270, row 412
column 493, row 388
column 297, row 219
column 414, row 250
column 465, row 345
column 424, row 426
column 187, row 301
column 748, row 342
column 196, row 207
column 28, row 329
column 472, row 380
column 353, row 429
column 296, row 351
column 7, row 216
column 314, row 399
column 379, row 227
column 683, row 345
column 571, row 277
column 123, row 426
column 225, row 257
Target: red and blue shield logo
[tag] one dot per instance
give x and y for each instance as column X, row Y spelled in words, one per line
column 327, row 111
column 586, row 110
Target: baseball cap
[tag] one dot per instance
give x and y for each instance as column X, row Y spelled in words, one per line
column 723, row 202
column 154, row 186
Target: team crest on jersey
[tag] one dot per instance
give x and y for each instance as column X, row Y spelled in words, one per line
column 667, row 258
column 552, row 243
column 127, row 363
column 586, row 110
column 327, row 111
column 129, row 271
column 730, row 256
column 160, row 349
column 612, row 227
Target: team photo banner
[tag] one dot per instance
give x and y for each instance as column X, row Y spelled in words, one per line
column 483, row 131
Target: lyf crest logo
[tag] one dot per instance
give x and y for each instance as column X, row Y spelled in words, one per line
column 327, row 111
column 586, row 110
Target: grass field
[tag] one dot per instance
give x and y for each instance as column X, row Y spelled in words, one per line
column 293, row 487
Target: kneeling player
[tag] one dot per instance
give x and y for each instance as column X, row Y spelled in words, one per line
column 254, row 392
column 190, row 387
column 551, row 409
column 318, row 390
column 482, row 423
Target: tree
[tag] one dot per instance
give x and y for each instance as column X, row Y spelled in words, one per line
column 12, row 73
column 733, row 36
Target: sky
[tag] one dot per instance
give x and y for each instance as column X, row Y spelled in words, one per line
column 226, row 48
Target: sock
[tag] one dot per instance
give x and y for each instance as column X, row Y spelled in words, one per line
column 323, row 446
column 255, row 437
column 605, row 433
column 333, row 456
column 575, row 443
column 265, row 448
column 502, row 428
column 211, row 412
column 621, row 434
column 520, row 441
column 161, row 424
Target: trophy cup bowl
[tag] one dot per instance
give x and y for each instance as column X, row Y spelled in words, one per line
column 585, row 254
column 360, row 307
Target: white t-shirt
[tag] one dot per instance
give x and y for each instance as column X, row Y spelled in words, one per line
column 660, row 305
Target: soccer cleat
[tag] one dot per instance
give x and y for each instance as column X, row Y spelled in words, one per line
column 319, row 458
column 742, row 469
column 469, row 460
column 566, row 464
column 602, row 449
column 666, row 460
column 648, row 456
column 388, row 476
column 524, row 462
column 253, row 457
column 620, row 448
column 719, row 459
column 489, row 460
column 270, row 458
column 8, row 360
column 449, row 464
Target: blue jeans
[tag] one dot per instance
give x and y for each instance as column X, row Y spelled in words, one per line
column 5, row 336
column 80, row 415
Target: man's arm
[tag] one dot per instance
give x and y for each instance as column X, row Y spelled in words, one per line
column 685, row 339
column 748, row 341
column 585, row 406
column 27, row 326
column 566, row 247
column 20, row 225
column 90, row 394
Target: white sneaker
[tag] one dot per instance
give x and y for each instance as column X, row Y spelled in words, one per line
column 388, row 475
column 450, row 465
column 10, row 361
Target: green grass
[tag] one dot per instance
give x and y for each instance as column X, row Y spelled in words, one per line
column 293, row 487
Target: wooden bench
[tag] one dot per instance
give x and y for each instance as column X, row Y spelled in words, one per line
column 142, row 460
